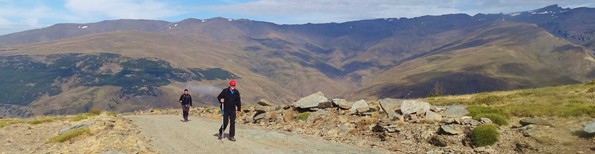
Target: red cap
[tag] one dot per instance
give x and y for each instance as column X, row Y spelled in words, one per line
column 232, row 83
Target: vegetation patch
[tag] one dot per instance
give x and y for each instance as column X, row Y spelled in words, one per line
column 484, row 135
column 7, row 122
column 496, row 118
column 26, row 78
column 71, row 134
column 303, row 116
column 40, row 121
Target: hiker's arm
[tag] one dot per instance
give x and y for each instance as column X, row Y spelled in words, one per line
column 239, row 105
column 190, row 100
column 220, row 97
column 181, row 97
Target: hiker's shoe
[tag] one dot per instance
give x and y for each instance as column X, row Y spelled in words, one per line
column 220, row 136
column 232, row 139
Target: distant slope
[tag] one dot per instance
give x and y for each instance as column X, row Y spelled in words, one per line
column 65, row 31
column 503, row 56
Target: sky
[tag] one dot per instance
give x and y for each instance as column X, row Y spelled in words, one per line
column 20, row 15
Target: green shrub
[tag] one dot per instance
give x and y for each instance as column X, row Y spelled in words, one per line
column 71, row 134
column 591, row 90
column 303, row 116
column 485, row 134
column 496, row 118
column 591, row 83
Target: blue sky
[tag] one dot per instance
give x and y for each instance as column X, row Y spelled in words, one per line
column 20, row 15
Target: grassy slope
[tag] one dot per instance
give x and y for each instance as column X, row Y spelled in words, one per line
column 559, row 101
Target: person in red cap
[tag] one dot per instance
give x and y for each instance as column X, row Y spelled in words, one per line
column 230, row 99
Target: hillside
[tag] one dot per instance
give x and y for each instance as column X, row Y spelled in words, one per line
column 376, row 58
column 541, row 120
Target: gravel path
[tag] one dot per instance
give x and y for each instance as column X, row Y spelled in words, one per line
column 199, row 135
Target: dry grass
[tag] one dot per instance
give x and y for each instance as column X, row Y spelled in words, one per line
column 71, row 134
column 560, row 101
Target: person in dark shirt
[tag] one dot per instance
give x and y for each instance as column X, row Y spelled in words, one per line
column 186, row 102
column 230, row 102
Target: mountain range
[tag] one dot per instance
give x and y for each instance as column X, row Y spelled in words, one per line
column 124, row 65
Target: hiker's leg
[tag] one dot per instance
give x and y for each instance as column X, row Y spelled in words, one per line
column 225, row 121
column 185, row 109
column 232, row 126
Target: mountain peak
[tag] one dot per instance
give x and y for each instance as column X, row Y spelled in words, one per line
column 552, row 8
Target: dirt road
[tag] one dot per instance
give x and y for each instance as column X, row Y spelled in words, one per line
column 199, row 135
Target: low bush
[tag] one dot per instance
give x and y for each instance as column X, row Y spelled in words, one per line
column 485, row 134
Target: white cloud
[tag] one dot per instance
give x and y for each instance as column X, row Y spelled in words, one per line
column 121, row 9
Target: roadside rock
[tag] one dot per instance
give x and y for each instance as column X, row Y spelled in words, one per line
column 535, row 121
column 342, row 103
column 439, row 140
column 455, row 111
column 258, row 116
column 451, row 129
column 413, row 106
column 311, row 101
column 433, row 116
column 589, row 128
column 361, row 106
column 264, row 102
column 325, row 105
column 390, row 106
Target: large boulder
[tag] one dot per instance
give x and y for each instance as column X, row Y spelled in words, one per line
column 342, row 103
column 361, row 106
column 589, row 128
column 264, row 102
column 536, row 121
column 455, row 111
column 390, row 106
column 311, row 101
column 414, row 106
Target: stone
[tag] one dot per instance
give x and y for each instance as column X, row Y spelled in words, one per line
column 484, row 150
column 362, row 105
column 325, row 105
column 455, row 111
column 448, row 120
column 438, row 140
column 263, row 108
column 433, row 116
column 451, row 129
column 258, row 116
column 390, row 106
column 413, row 106
column 485, row 120
column 536, row 121
column 469, row 121
column 342, row 103
column 264, row 102
column 589, row 128
column 311, row 101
